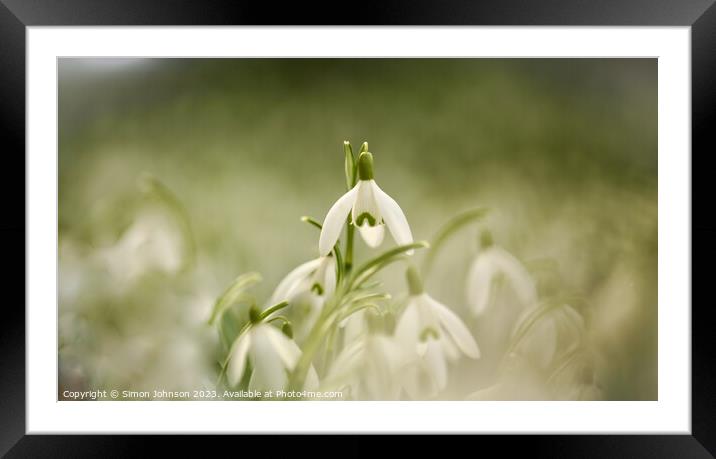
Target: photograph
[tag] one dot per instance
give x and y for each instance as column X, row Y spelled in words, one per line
column 357, row 229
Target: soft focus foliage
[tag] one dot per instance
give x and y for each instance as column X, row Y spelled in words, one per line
column 176, row 176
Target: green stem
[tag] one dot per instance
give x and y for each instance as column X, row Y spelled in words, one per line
column 272, row 309
column 447, row 230
column 332, row 309
column 311, row 221
column 350, row 233
column 318, row 332
column 281, row 318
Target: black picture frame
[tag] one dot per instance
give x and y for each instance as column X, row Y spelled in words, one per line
column 16, row 15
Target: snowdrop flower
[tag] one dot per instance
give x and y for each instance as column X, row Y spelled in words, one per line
column 371, row 210
column 308, row 286
column 491, row 262
column 272, row 355
column 368, row 368
column 151, row 244
column 316, row 276
column 433, row 334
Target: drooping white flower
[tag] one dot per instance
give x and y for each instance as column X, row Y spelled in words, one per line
column 434, row 335
column 307, row 286
column 316, row 276
column 371, row 211
column 367, row 368
column 491, row 262
column 152, row 243
column 272, row 355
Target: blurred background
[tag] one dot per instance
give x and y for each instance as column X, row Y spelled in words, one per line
column 177, row 175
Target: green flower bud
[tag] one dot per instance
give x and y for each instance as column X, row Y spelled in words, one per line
column 363, row 147
column 486, row 239
column 365, row 166
column 254, row 314
column 415, row 284
column 287, row 329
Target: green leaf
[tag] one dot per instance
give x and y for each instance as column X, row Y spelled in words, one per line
column 336, row 248
column 234, row 294
column 368, row 286
column 271, row 310
column 356, row 298
column 363, row 148
column 386, row 258
column 360, row 280
column 350, row 165
column 450, row 228
column 311, row 221
column 359, row 307
column 229, row 328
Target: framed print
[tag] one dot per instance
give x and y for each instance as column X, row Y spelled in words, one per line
column 385, row 227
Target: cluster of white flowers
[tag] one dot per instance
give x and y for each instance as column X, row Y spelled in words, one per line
column 371, row 347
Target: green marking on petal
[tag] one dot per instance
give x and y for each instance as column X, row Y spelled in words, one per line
column 486, row 239
column 317, row 289
column 429, row 332
column 365, row 216
column 287, row 330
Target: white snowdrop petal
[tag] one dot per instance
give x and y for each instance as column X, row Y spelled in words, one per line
column 381, row 365
column 479, row 281
column 520, row 280
column 450, row 349
column 284, row 347
column 421, row 348
column 354, row 327
column 387, row 347
column 365, row 202
column 311, row 383
column 329, row 277
column 456, row 328
column 393, row 216
column 436, row 364
column 428, row 315
column 237, row 362
column 347, row 362
column 372, row 235
column 333, row 223
column 286, row 288
column 411, row 378
column 269, row 365
column 407, row 329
